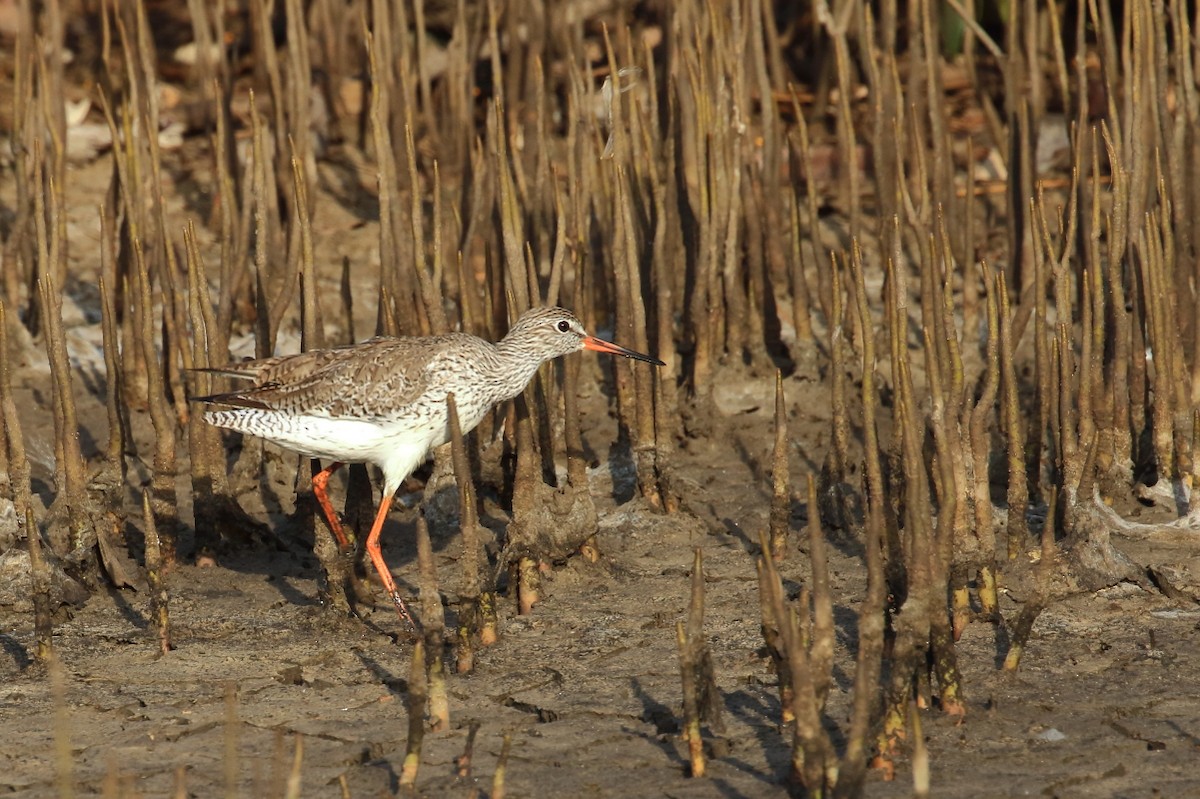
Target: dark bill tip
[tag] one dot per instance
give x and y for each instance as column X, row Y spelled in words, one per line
column 600, row 345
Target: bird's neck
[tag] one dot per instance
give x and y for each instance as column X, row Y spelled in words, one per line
column 518, row 363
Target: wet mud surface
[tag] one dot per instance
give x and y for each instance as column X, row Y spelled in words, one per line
column 587, row 685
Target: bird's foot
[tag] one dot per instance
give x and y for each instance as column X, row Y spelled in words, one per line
column 406, row 618
column 347, row 544
column 350, row 550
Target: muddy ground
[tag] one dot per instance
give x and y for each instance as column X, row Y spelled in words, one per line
column 588, row 684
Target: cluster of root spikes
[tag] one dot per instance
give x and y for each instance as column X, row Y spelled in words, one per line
column 1005, row 360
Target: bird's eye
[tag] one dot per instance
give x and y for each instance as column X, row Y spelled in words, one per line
column 563, row 326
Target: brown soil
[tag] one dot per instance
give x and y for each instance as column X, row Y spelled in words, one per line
column 588, row 684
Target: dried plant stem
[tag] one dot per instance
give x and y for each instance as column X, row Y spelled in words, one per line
column 777, row 649
column 478, row 614
column 920, row 753
column 1156, row 296
column 418, row 694
column 691, row 705
column 846, row 137
column 1018, row 489
column 814, row 765
column 498, row 787
column 163, row 482
column 709, row 695
column 913, row 622
column 577, row 480
column 69, row 460
column 160, row 614
column 114, row 378
column 528, row 580
column 824, row 636
column 18, row 251
column 463, row 763
column 39, row 575
column 265, row 232
column 960, row 602
column 980, row 451
column 13, row 440
column 312, row 332
column 431, row 298
column 836, row 462
column 234, row 227
column 666, row 243
column 204, row 443
column 433, row 623
column 1020, row 633
column 1194, row 492
column 781, row 500
column 868, row 663
column 529, row 585
column 1036, row 603
column 512, row 232
column 633, row 314
column 949, row 529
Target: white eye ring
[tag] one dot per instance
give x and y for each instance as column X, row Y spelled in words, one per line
column 563, row 326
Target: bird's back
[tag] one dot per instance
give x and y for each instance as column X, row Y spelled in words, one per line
column 355, row 403
column 376, row 378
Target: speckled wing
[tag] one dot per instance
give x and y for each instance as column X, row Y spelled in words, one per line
column 366, row 380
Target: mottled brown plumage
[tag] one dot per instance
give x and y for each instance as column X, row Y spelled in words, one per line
column 384, row 401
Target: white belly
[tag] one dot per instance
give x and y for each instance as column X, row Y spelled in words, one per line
column 396, row 451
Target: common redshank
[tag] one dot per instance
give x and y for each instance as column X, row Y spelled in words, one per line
column 384, row 401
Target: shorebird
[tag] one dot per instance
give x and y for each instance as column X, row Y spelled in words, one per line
column 384, row 401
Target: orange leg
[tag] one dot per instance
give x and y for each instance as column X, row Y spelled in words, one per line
column 320, row 483
column 381, row 566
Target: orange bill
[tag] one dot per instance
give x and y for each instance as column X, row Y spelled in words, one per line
column 600, row 345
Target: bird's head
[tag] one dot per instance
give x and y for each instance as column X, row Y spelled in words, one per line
column 552, row 332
